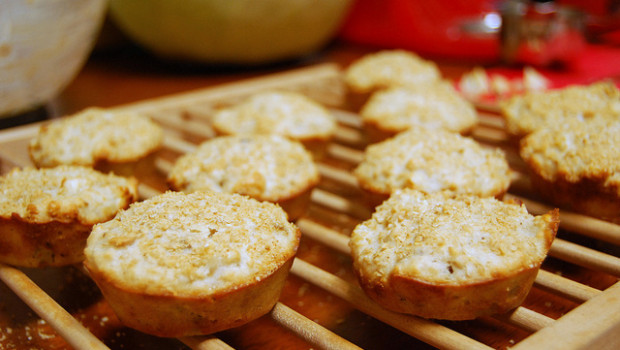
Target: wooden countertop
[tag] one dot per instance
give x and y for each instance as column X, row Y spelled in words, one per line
column 123, row 75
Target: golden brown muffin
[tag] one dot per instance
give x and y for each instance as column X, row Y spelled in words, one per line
column 576, row 165
column 185, row 264
column 434, row 106
column 265, row 167
column 47, row 214
column 386, row 69
column 287, row 114
column 535, row 110
column 389, row 68
column 454, row 258
column 431, row 161
column 120, row 142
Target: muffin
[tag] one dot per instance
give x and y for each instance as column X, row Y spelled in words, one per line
column 434, row 106
column 287, row 114
column 535, row 110
column 265, row 167
column 121, row 142
column 431, row 161
column 46, row 215
column 183, row 264
column 386, row 69
column 576, row 165
column 450, row 257
column 389, row 68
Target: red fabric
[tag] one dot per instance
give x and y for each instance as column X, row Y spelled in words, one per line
column 594, row 63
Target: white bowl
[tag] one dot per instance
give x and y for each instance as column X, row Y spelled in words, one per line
column 43, row 45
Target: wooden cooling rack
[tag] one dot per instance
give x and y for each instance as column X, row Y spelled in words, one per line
column 574, row 304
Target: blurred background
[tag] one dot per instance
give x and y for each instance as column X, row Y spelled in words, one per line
column 163, row 46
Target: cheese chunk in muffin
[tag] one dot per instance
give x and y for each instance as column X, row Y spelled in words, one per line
column 536, row 110
column 185, row 264
column 265, row 167
column 453, row 257
column 105, row 140
column 432, row 161
column 436, row 106
column 287, row 114
column 576, row 165
column 47, row 214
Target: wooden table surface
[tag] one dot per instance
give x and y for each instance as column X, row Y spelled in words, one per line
column 124, row 74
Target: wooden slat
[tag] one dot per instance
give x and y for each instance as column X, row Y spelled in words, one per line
column 345, row 153
column 564, row 287
column 491, row 120
column 594, row 324
column 55, row 315
column 303, row 79
column 526, row 319
column 350, row 119
column 309, row 330
column 424, row 330
column 337, row 175
column 584, row 256
column 205, row 343
column 339, row 204
column 188, row 126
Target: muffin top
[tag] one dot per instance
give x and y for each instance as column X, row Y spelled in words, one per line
column 434, row 106
column 431, row 161
column 192, row 245
column 389, row 68
column 265, row 167
column 287, row 114
column 575, row 150
column 443, row 239
column 65, row 194
column 95, row 134
column 538, row 109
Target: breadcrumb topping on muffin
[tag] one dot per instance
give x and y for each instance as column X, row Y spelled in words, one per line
column 265, row 167
column 93, row 135
column 64, row 194
column 287, row 114
column 444, row 239
column 575, row 150
column 433, row 106
column 431, row 161
column 194, row 244
column 536, row 110
column 389, row 68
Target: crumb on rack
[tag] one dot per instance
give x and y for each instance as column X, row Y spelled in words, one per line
column 478, row 84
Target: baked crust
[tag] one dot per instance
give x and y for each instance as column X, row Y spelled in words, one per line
column 287, row 114
column 46, row 215
column 265, row 167
column 434, row 106
column 389, row 68
column 536, row 110
column 450, row 257
column 430, row 161
column 176, row 316
column 576, row 165
column 208, row 261
column 97, row 138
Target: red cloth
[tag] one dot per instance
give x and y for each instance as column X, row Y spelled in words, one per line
column 596, row 62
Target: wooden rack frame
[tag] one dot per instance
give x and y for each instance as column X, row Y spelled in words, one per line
column 593, row 322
